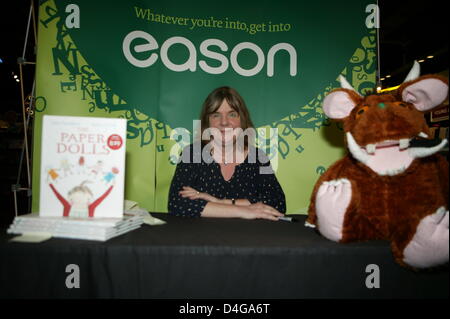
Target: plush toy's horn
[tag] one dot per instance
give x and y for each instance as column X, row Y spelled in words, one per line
column 414, row 73
column 419, row 152
column 346, row 85
column 356, row 150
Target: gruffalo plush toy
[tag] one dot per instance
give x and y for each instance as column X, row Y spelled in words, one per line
column 386, row 188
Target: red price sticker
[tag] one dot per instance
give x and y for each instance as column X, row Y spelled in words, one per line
column 115, row 142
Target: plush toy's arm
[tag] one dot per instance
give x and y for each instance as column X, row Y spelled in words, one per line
column 423, row 241
column 334, row 172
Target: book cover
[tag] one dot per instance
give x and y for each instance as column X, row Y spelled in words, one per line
column 82, row 167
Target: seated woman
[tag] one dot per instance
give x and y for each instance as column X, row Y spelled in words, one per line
column 225, row 176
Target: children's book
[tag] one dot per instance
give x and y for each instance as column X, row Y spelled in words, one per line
column 82, row 167
column 77, row 228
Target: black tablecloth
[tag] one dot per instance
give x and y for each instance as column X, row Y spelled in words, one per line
column 212, row 258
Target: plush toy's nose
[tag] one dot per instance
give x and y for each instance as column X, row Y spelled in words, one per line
column 381, row 105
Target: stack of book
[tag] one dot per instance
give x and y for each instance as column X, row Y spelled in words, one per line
column 100, row 229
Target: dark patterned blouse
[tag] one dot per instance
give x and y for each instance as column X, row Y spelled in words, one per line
column 253, row 180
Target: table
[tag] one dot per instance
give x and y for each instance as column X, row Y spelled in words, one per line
column 212, row 258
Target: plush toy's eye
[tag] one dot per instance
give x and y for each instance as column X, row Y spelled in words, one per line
column 361, row 111
column 402, row 105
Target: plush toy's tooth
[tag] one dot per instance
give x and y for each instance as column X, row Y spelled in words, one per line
column 370, row 148
column 424, row 135
column 404, row 143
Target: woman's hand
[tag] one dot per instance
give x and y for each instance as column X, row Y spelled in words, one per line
column 191, row 193
column 252, row 211
column 259, row 211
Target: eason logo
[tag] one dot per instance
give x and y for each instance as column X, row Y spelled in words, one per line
column 161, row 59
column 190, row 64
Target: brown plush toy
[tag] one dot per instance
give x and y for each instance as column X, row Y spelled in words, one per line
column 384, row 188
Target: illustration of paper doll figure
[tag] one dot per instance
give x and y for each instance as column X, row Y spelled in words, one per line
column 97, row 168
column 65, row 167
column 109, row 177
column 79, row 201
column 52, row 173
column 80, row 168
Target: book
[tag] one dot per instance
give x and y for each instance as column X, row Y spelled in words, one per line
column 100, row 229
column 82, row 167
column 36, row 228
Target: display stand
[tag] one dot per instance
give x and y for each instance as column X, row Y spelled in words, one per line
column 27, row 114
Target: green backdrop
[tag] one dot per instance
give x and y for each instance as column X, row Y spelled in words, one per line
column 154, row 63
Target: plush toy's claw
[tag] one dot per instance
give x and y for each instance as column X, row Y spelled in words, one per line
column 310, row 225
column 429, row 246
column 332, row 200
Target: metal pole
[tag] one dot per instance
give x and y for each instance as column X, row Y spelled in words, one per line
column 25, row 128
column 378, row 26
column 28, row 29
column 25, row 119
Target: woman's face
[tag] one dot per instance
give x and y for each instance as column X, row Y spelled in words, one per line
column 225, row 119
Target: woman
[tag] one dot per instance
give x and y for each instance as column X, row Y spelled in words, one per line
column 231, row 178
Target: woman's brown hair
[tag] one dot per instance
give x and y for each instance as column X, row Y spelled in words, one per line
column 234, row 99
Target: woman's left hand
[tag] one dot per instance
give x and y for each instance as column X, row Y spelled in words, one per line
column 191, row 193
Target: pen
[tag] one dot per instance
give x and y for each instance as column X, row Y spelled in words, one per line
column 287, row 219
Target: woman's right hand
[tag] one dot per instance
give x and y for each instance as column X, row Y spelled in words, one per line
column 259, row 211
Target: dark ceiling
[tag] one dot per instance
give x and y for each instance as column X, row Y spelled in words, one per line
column 412, row 30
column 13, row 26
column 409, row 31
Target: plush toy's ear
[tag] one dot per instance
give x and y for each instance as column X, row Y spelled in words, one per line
column 425, row 92
column 339, row 103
